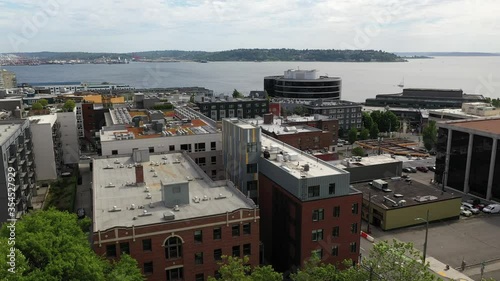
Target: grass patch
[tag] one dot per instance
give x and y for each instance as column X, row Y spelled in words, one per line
column 62, row 194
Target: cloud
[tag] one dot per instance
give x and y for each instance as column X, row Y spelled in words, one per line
column 126, row 25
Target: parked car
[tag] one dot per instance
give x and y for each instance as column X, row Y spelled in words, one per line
column 340, row 145
column 432, row 168
column 492, row 209
column 407, row 170
column 422, row 169
column 464, row 212
column 470, row 207
column 84, row 157
column 412, row 169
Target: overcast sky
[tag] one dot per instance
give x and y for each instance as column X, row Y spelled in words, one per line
column 211, row 25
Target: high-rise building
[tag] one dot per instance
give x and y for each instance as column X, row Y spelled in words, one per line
column 48, row 146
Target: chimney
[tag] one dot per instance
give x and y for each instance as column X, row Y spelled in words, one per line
column 268, row 118
column 139, row 175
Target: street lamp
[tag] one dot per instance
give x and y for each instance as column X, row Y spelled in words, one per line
column 369, row 211
column 426, row 232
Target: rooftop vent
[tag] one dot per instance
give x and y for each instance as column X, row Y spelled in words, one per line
column 110, row 185
column 168, row 216
column 148, row 196
column 146, row 189
column 132, row 207
column 108, row 167
column 151, row 205
column 189, row 178
column 117, row 162
column 220, row 196
column 115, row 209
column 196, row 199
column 155, row 175
column 176, row 208
column 145, row 213
column 397, row 195
column 205, row 198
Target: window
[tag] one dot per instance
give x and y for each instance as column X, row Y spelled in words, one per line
column 217, row 233
column 336, row 211
column 213, row 160
column 355, row 208
column 252, row 168
column 198, row 258
column 318, row 215
column 353, row 247
column 354, row 228
column 318, row 253
column 173, row 248
column 199, row 277
column 218, row 254
column 236, row 251
column 217, row 275
column 247, row 249
column 114, row 152
column 146, row 245
column 247, row 228
column 236, row 230
column 124, row 248
column 198, row 236
column 151, row 149
column 186, row 147
column 201, row 161
column 111, row 251
column 148, row 267
column 317, row 235
column 171, row 147
column 335, row 251
column 251, row 185
column 213, row 146
column 198, row 147
column 331, row 189
column 252, row 147
column 336, row 231
column 175, row 274
column 313, row 191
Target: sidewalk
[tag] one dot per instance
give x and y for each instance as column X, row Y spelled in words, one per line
column 450, row 274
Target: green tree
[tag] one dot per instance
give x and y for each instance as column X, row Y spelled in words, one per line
column 341, row 132
column 429, row 135
column 299, row 110
column 364, row 134
column 374, row 131
column 37, row 106
column 126, row 269
column 235, row 269
column 352, row 135
column 237, row 94
column 43, row 102
column 314, row 269
column 69, row 105
column 53, row 247
column 358, row 151
column 367, row 120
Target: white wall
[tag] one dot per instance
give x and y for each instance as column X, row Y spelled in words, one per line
column 69, row 137
column 43, row 147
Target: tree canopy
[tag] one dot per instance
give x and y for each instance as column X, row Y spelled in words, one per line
column 237, row 94
column 235, row 269
column 358, row 151
column 364, row 134
column 429, row 135
column 69, row 105
column 37, row 106
column 43, row 102
column 353, row 135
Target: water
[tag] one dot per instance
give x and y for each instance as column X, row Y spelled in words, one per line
column 360, row 80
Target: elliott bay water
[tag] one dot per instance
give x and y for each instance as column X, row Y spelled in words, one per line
column 359, row 80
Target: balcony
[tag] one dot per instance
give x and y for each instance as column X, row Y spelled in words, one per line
column 12, row 160
column 21, row 162
column 24, row 187
column 20, row 149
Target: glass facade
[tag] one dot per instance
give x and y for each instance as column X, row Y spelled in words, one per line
column 480, row 165
column 458, row 160
column 442, row 141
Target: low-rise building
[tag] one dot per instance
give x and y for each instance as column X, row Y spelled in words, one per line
column 371, row 167
column 471, row 110
column 218, row 108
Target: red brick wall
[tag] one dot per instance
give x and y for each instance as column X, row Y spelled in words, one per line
column 189, row 247
column 304, row 141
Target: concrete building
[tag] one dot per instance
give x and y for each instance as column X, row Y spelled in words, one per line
column 470, row 110
column 424, row 98
column 65, row 87
column 466, row 157
column 168, row 215
column 11, row 105
column 48, row 146
column 371, row 167
column 69, row 137
column 79, row 120
column 18, row 174
column 218, row 108
column 8, row 79
column 303, row 84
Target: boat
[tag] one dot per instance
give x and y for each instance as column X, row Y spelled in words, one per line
column 402, row 83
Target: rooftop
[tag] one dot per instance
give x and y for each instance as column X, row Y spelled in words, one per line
column 413, row 194
column 6, row 131
column 486, row 125
column 296, row 159
column 364, row 161
column 112, row 186
column 99, row 99
column 43, row 119
column 279, row 127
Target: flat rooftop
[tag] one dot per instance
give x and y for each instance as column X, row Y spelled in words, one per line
column 174, row 169
column 317, row 167
column 280, row 127
column 7, row 130
column 364, row 161
column 414, row 194
column 43, row 119
column 487, row 125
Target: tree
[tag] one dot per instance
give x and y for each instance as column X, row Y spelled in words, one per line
column 52, row 247
column 341, row 132
column 37, row 106
column 367, row 120
column 358, row 151
column 429, row 135
column 299, row 110
column 235, row 269
column 374, row 131
column 237, row 94
column 69, row 105
column 314, row 269
column 364, row 134
column 43, row 102
column 353, row 135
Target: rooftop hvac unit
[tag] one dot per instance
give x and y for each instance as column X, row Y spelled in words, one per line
column 279, row 158
column 196, row 199
column 132, row 207
column 146, row 189
column 176, row 208
column 148, row 196
column 205, row 198
column 306, row 168
column 168, row 216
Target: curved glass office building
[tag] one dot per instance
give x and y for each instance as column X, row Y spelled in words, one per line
column 303, row 84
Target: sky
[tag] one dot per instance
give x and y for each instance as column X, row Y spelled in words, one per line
column 214, row 25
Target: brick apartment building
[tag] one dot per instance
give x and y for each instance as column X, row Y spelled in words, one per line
column 170, row 216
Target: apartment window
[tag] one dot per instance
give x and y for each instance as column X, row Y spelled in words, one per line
column 198, row 258
column 111, row 251
column 175, row 274
column 318, row 253
column 213, row 146
column 213, row 107
column 198, row 147
column 247, row 249
column 247, row 228
column 173, row 248
column 201, row 161
column 124, row 248
column 114, row 152
column 336, row 231
column 236, row 251
column 252, row 168
column 148, row 268
column 214, row 174
column 355, row 208
column 313, row 191
column 251, row 185
column 198, row 236
column 335, row 251
column 217, row 233
column 318, row 215
column 199, row 277
column 336, row 211
column 235, row 230
column 146, row 245
column 252, row 147
column 218, row 254
column 151, row 149
column 354, row 228
column 353, row 247
column 331, row 189
column 213, row 160
column 317, row 235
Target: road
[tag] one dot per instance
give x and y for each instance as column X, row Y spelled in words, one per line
column 83, row 191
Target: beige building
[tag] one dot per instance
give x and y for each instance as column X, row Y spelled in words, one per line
column 7, row 79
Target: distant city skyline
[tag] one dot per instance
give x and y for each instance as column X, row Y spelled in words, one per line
column 214, row 25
